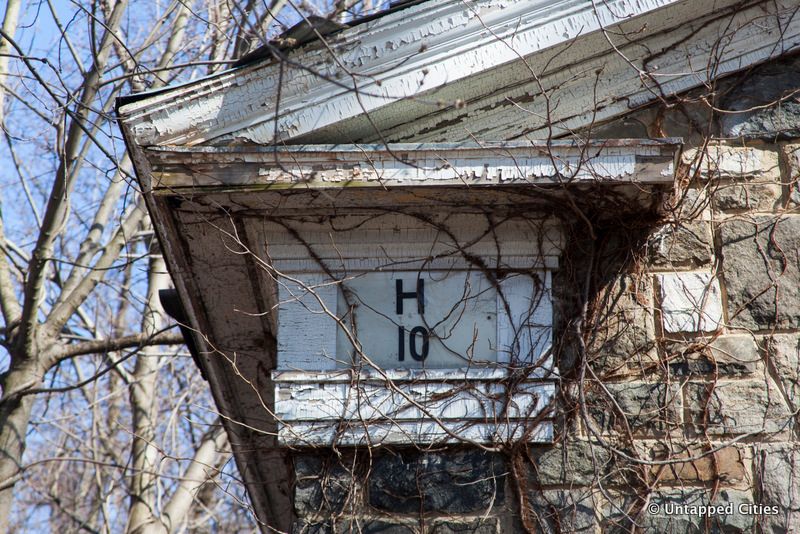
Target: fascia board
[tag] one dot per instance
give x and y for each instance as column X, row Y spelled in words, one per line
column 580, row 85
column 401, row 56
column 413, row 165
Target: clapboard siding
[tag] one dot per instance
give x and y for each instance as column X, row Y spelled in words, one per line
column 402, row 242
column 524, row 322
column 307, row 324
column 313, row 410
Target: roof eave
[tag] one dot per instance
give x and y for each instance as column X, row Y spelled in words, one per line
column 400, row 56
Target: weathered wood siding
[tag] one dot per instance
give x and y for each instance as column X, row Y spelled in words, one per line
column 414, row 407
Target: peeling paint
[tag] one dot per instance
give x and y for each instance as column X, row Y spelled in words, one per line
column 423, row 411
column 453, row 50
column 337, row 166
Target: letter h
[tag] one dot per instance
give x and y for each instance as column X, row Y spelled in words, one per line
column 419, row 294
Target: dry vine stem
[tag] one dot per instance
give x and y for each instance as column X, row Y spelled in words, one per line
column 105, row 424
column 577, row 350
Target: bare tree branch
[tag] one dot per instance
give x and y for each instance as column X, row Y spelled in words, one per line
column 101, row 346
column 202, row 470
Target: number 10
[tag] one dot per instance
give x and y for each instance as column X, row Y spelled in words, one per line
column 412, row 343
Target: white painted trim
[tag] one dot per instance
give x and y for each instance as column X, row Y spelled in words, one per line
column 418, row 432
column 398, row 56
column 402, row 242
column 409, row 60
column 544, row 262
column 366, row 375
column 409, row 401
column 316, row 409
column 414, row 165
column 589, row 82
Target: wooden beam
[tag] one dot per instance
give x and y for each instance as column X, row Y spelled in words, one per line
column 404, row 165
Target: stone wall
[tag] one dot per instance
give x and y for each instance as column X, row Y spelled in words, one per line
column 688, row 396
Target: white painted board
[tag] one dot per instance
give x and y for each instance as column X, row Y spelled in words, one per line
column 354, row 433
column 430, row 319
column 322, row 410
column 414, row 319
column 403, row 401
column 307, row 322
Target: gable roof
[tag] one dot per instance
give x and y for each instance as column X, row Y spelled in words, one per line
column 432, row 72
column 456, row 70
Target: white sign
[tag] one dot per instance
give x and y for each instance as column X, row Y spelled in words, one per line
column 428, row 319
column 442, row 319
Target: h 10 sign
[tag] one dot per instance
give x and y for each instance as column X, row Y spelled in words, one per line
column 412, row 319
column 418, row 319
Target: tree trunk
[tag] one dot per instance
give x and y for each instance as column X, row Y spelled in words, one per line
column 10, row 18
column 144, row 517
column 15, row 413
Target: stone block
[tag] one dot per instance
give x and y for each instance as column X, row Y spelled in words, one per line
column 728, row 465
column 690, row 302
column 738, row 407
column 673, row 511
column 478, row 526
column 577, row 462
column 761, row 271
column 777, row 472
column 793, row 166
column 778, row 121
column 367, row 526
column 624, row 335
column 447, row 482
column 322, row 487
column 691, row 203
column 763, row 100
column 557, row 511
column 647, row 408
column 754, row 196
column 349, row 526
column 302, row 527
column 728, row 355
column 721, row 161
column 684, row 244
column 397, row 525
column 783, row 351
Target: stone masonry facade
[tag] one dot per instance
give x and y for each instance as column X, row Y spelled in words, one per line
column 691, row 390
